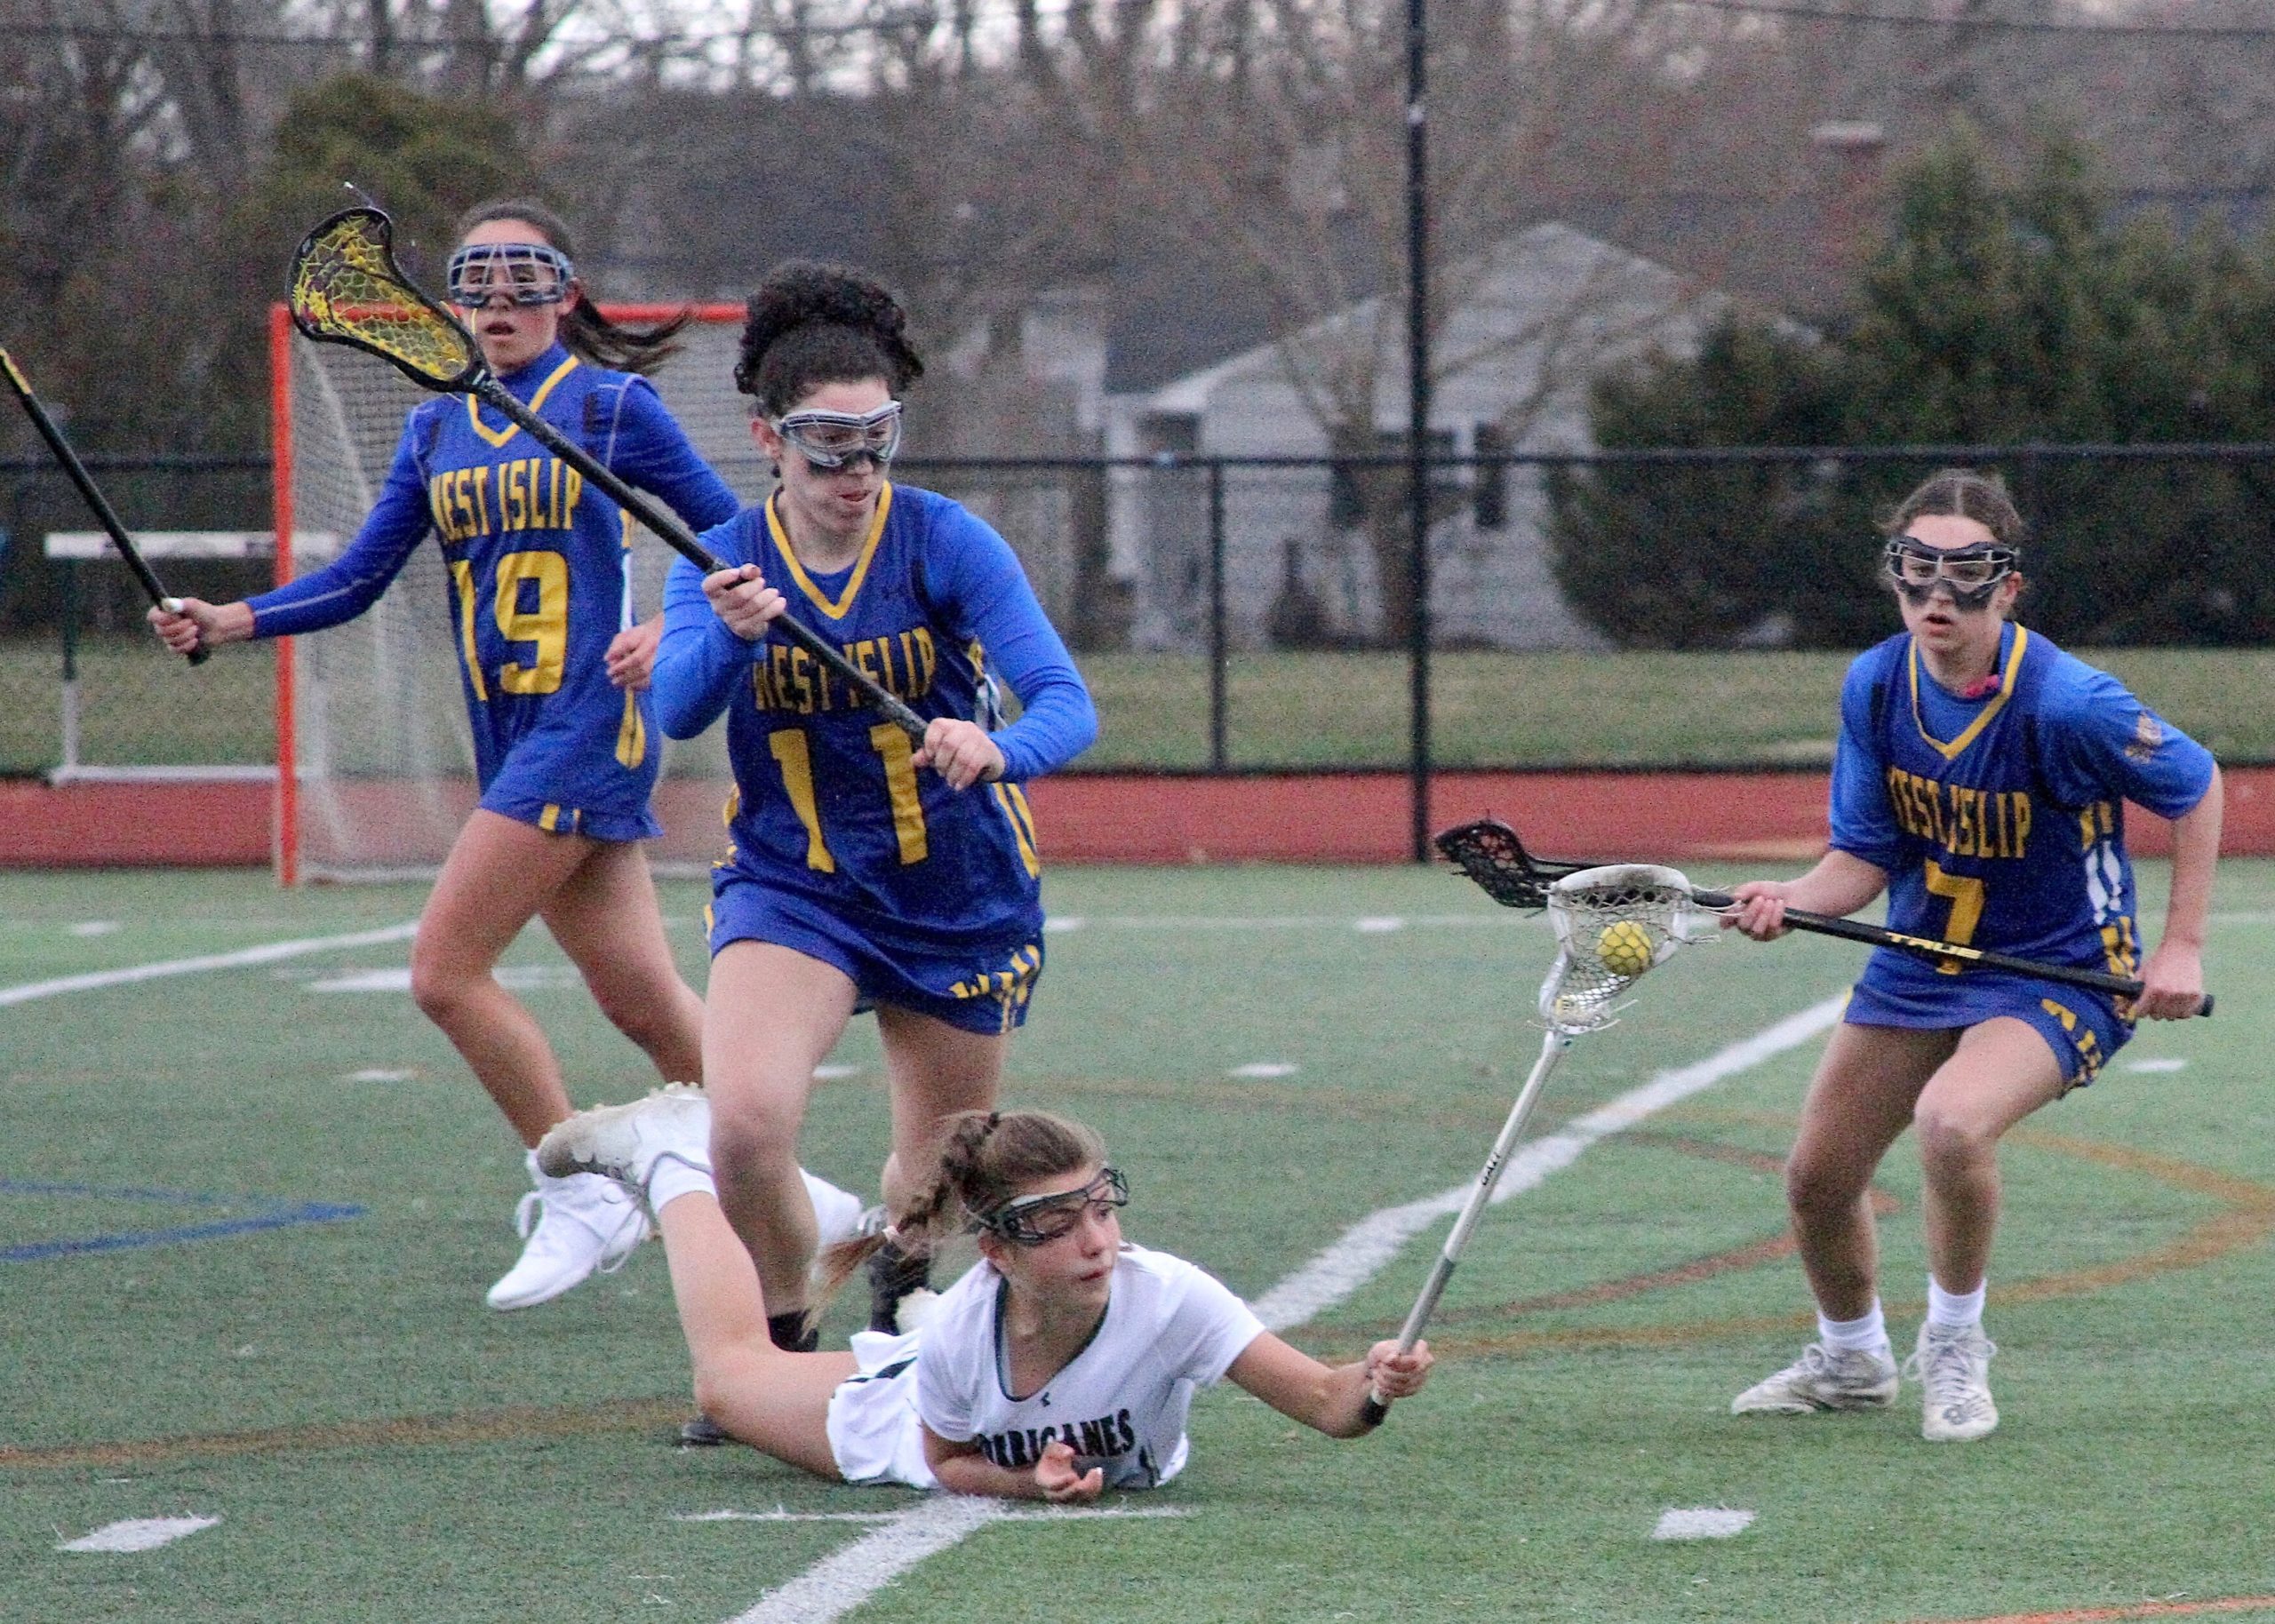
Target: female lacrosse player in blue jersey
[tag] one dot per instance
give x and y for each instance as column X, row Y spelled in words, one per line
column 1980, row 780
column 554, row 675
column 867, row 870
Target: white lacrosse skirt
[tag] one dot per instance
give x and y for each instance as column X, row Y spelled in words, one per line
column 874, row 1431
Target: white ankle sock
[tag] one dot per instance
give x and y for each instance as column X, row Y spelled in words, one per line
column 1867, row 1333
column 1952, row 1310
column 673, row 1178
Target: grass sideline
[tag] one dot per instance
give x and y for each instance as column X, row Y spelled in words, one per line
column 379, row 1447
column 1284, row 710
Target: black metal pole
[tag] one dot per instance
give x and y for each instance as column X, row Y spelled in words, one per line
column 1218, row 703
column 1417, row 413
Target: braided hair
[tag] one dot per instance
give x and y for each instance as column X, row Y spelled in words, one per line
column 812, row 324
column 988, row 1155
column 590, row 335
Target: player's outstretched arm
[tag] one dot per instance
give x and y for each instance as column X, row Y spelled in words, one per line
column 1840, row 884
column 1331, row 1398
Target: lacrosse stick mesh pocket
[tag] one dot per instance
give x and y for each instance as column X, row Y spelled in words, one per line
column 1636, row 914
column 346, row 287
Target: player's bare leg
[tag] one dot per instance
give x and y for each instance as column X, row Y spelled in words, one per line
column 608, row 920
column 498, row 876
column 2001, row 1071
column 1859, row 1101
column 776, row 1400
column 771, row 1016
column 934, row 1071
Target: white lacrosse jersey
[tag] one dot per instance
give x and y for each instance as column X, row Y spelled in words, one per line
column 1120, row 1403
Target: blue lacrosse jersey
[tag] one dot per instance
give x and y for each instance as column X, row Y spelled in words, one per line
column 539, row 570
column 829, row 806
column 1999, row 821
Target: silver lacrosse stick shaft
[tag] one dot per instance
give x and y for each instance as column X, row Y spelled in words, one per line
column 1552, row 1044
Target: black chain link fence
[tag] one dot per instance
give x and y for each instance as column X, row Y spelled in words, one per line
column 1255, row 612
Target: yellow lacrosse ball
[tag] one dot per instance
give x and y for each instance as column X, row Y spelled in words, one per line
column 1624, row 948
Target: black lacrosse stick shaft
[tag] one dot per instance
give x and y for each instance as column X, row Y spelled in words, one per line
column 90, row 492
column 1927, row 947
column 1489, row 853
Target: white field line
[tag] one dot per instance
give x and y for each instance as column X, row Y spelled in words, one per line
column 396, row 979
column 783, row 1514
column 848, row 1576
column 268, row 952
column 1360, row 1251
column 140, row 1533
column 1701, row 1523
column 1025, row 1514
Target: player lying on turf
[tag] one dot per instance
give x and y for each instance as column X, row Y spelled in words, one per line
column 1063, row 1364
column 1980, row 780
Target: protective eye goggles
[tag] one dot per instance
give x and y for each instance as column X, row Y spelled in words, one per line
column 833, row 439
column 1970, row 575
column 1034, row 1221
column 526, row 273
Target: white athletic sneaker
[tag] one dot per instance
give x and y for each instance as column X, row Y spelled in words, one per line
column 571, row 1228
column 1953, row 1365
column 624, row 1142
column 838, row 1214
column 1823, row 1378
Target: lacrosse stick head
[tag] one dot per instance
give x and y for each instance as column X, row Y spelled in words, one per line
column 1613, row 924
column 1490, row 852
column 347, row 289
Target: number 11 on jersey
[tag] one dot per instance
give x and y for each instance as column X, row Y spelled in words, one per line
column 794, row 756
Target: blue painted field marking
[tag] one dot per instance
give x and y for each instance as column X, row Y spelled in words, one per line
column 273, row 1214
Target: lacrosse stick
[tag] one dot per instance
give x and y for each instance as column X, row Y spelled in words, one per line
column 1613, row 924
column 347, row 289
column 97, row 503
column 1490, row 852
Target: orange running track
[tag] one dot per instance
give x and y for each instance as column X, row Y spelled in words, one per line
column 1775, row 818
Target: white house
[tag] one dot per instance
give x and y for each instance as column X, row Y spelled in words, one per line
column 1531, row 326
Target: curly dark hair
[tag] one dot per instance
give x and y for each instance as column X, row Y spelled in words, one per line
column 812, row 324
column 588, row 334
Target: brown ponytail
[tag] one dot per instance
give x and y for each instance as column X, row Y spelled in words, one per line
column 590, row 335
column 987, row 1156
